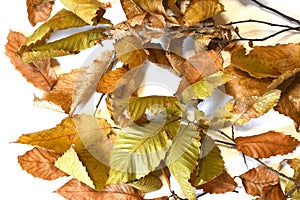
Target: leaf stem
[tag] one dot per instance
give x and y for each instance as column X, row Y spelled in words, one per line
column 226, row 143
column 276, row 12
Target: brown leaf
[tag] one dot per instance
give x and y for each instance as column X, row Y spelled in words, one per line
column 40, row 163
column 108, row 81
column 156, row 20
column 130, row 51
column 258, row 178
column 243, row 85
column 199, row 66
column 62, row 93
column 266, row 144
column 267, row 61
column 219, row 185
column 157, row 54
column 76, row 190
column 131, row 9
column 38, row 10
column 289, row 103
column 39, row 73
column 273, row 192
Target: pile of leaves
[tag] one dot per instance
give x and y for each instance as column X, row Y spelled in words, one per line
column 148, row 139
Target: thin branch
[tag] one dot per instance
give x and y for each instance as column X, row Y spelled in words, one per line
column 98, row 104
column 224, row 134
column 278, row 173
column 258, row 21
column 226, row 143
column 276, row 11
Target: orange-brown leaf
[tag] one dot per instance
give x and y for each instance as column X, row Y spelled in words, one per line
column 258, row 178
column 221, row 184
column 40, row 163
column 39, row 73
column 273, row 192
column 76, row 190
column 38, row 10
column 108, row 81
column 289, row 103
column 266, row 144
column 131, row 9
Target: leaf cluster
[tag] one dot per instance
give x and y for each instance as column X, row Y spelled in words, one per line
column 148, row 139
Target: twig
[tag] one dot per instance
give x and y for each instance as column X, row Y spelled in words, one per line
column 226, row 143
column 98, row 104
column 224, row 134
column 276, row 11
column 278, row 173
column 258, row 21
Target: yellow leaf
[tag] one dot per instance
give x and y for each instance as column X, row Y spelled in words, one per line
column 70, row 164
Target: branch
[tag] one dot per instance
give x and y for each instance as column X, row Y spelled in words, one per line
column 277, row 12
column 258, row 21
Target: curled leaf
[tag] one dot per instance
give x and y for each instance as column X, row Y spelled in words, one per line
column 40, row 163
column 39, row 11
column 148, row 183
column 266, row 144
column 91, row 11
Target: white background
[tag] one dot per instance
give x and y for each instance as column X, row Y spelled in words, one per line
column 19, row 116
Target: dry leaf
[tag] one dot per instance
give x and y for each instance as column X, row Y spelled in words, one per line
column 273, row 192
column 39, row 73
column 109, row 81
column 267, row 61
column 198, row 11
column 289, row 104
column 76, row 190
column 38, row 10
column 219, row 185
column 290, row 186
column 130, row 51
column 256, row 179
column 40, row 163
column 131, row 9
column 85, row 83
column 266, row 144
column 70, row 164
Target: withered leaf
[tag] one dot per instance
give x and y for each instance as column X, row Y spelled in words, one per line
column 266, row 144
column 198, row 11
column 130, row 51
column 85, row 83
column 70, row 164
column 157, row 54
column 131, row 9
column 244, row 109
column 148, row 183
column 38, row 11
column 295, row 165
column 289, row 103
column 40, row 163
column 220, row 184
column 109, row 80
column 156, row 20
column 61, row 137
column 62, row 93
column 77, row 190
column 72, row 44
column 91, row 11
column 256, row 179
column 243, row 85
column 39, row 73
column 61, row 20
column 267, row 61
column 273, row 192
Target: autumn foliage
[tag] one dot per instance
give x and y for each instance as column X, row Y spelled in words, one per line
column 148, row 139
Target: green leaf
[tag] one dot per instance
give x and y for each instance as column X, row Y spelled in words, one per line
column 211, row 163
column 70, row 164
column 63, row 19
column 130, row 51
column 91, row 11
column 148, row 183
column 198, row 11
column 72, row 44
column 137, row 151
column 182, row 157
column 156, row 105
column 204, row 88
